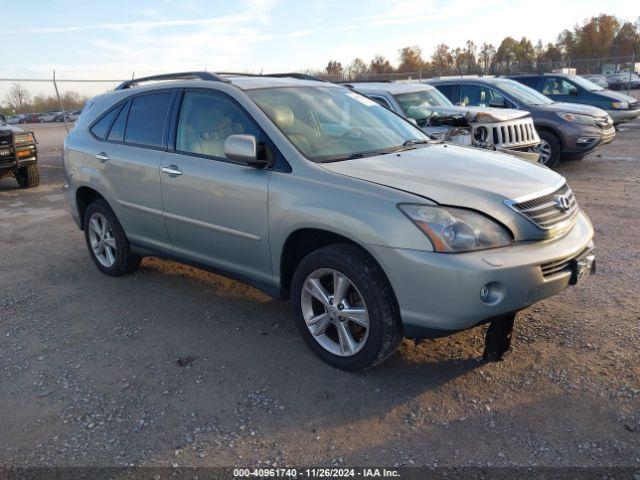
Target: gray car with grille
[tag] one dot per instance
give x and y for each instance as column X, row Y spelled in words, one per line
column 311, row 192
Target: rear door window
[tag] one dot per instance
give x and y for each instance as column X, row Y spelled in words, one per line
column 449, row 91
column 529, row 82
column 557, row 86
column 147, row 114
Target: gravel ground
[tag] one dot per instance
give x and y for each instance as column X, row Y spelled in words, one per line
column 175, row 366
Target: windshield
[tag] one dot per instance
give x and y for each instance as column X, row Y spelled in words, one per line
column 423, row 98
column 588, row 85
column 523, row 94
column 331, row 123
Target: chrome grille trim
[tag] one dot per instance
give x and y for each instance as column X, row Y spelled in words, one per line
column 560, row 265
column 544, row 209
column 515, row 133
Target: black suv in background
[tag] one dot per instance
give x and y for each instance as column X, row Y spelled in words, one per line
column 567, row 130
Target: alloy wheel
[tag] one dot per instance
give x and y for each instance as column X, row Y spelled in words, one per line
column 103, row 242
column 335, row 312
column 544, row 150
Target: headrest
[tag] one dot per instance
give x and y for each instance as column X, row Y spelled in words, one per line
column 283, row 117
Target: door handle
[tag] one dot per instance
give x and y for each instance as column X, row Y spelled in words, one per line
column 171, row 170
column 103, row 157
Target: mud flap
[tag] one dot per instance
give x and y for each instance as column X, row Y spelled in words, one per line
column 497, row 341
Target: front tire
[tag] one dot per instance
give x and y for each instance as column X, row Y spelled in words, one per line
column 550, row 149
column 107, row 243
column 28, row 176
column 345, row 308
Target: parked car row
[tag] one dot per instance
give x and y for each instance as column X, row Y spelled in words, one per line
column 42, row 117
column 313, row 192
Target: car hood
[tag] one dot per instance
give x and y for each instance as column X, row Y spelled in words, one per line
column 482, row 114
column 616, row 96
column 11, row 128
column 572, row 108
column 458, row 176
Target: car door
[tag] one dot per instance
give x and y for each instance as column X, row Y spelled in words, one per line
column 129, row 157
column 215, row 210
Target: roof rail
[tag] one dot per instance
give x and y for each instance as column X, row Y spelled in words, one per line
column 299, row 76
column 173, row 76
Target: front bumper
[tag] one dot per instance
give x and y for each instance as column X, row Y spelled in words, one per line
column 620, row 116
column 440, row 293
column 574, row 137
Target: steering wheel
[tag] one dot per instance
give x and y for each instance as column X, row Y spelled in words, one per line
column 352, row 133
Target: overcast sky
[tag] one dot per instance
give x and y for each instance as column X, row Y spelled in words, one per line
column 117, row 37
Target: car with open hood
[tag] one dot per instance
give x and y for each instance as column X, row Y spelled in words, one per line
column 506, row 130
column 314, row 193
column 575, row 89
column 566, row 130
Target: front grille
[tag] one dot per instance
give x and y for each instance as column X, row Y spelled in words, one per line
column 515, row 133
column 604, row 123
column 550, row 211
column 5, row 140
column 558, row 266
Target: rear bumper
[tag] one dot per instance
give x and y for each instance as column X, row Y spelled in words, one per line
column 440, row 293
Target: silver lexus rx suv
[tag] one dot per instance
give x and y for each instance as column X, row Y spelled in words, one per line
column 311, row 192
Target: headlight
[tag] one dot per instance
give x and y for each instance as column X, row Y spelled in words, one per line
column 577, row 118
column 24, row 139
column 457, row 229
column 620, row 105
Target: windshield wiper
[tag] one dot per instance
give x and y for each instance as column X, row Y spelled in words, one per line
column 414, row 141
column 353, row 156
column 411, row 144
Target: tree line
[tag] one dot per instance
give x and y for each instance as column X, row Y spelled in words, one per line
column 587, row 47
column 19, row 100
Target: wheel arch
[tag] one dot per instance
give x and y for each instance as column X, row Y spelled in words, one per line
column 554, row 132
column 85, row 196
column 303, row 241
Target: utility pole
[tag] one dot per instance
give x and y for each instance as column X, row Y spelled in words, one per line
column 64, row 114
column 633, row 69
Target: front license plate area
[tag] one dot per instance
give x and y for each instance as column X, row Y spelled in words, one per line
column 582, row 266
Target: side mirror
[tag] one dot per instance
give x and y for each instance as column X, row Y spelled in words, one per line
column 573, row 91
column 461, row 104
column 497, row 103
column 243, row 149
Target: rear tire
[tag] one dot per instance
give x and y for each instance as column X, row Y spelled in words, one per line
column 367, row 290
column 107, row 243
column 550, row 149
column 28, row 176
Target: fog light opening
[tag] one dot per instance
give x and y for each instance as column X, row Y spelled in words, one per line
column 492, row 293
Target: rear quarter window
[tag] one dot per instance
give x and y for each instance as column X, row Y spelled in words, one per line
column 147, row 114
column 101, row 127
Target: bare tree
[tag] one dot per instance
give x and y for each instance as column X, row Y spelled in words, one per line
column 18, row 98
